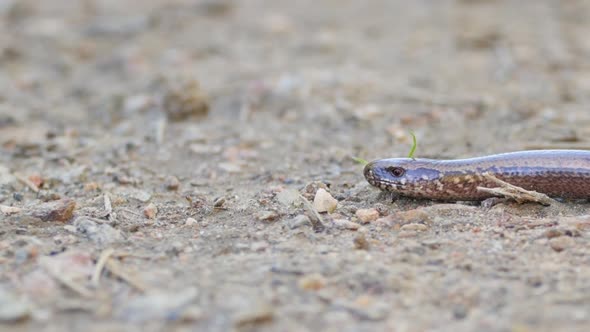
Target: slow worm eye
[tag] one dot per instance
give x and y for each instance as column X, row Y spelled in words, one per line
column 396, row 171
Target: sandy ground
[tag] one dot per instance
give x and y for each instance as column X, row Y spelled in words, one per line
column 153, row 154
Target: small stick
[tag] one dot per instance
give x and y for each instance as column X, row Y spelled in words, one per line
column 108, row 207
column 318, row 225
column 518, row 194
column 125, row 254
column 26, row 182
column 102, row 260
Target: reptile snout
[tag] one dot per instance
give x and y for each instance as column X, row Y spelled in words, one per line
column 368, row 172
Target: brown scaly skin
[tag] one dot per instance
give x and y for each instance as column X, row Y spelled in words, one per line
column 557, row 173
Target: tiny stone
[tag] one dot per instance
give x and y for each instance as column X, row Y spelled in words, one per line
column 324, row 202
column 561, row 243
column 260, row 315
column 70, row 228
column 345, row 224
column 61, row 210
column 535, row 281
column 268, row 216
column 191, row 222
column 553, row 233
column 184, row 100
column 91, row 186
column 298, row 221
column 367, row 215
column 36, row 179
column 8, row 210
column 172, row 183
column 360, row 242
column 460, row 312
column 150, row 211
column 414, row 227
column 312, row 282
column 218, row 202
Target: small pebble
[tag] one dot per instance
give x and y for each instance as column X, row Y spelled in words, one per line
column 299, row 221
column 172, row 183
column 268, row 216
column 91, row 186
column 8, row 210
column 553, row 233
column 346, row 224
column 324, row 202
column 185, row 100
column 360, row 242
column 219, row 202
column 36, row 179
column 260, row 315
column 70, row 228
column 150, row 211
column 414, row 227
column 312, row 282
column 367, row 215
column 191, row 222
column 561, row 243
column 61, row 210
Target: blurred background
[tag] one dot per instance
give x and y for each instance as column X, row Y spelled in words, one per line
column 187, row 118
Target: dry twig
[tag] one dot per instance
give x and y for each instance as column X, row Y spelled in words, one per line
column 102, row 260
column 518, row 194
column 318, row 222
column 26, row 182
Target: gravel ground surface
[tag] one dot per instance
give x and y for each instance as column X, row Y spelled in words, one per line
column 163, row 163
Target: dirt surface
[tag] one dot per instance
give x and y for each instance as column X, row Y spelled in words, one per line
column 154, row 156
